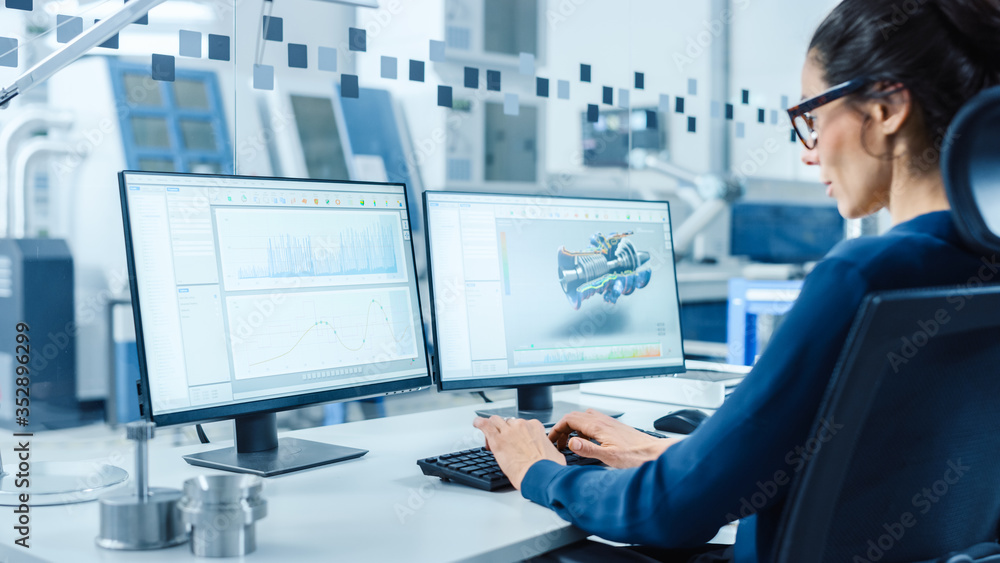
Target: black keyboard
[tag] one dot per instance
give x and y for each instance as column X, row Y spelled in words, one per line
column 479, row 469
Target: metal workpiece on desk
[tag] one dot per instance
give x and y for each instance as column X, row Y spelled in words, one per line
column 222, row 511
column 144, row 517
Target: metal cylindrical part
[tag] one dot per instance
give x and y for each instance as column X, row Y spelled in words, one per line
column 130, row 524
column 143, row 518
column 141, row 468
column 141, row 433
column 222, row 511
column 588, row 267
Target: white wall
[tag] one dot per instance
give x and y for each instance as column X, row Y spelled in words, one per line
column 769, row 43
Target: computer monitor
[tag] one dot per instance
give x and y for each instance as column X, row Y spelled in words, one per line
column 782, row 233
column 529, row 292
column 756, row 310
column 256, row 295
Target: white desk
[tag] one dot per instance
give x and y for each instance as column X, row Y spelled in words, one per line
column 376, row 508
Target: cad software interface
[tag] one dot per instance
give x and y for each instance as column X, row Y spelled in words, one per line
column 260, row 288
column 527, row 286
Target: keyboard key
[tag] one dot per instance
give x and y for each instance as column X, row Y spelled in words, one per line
column 478, row 468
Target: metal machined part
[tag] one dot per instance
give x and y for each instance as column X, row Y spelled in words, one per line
column 222, row 511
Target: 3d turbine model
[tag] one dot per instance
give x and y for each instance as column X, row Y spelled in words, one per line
column 610, row 267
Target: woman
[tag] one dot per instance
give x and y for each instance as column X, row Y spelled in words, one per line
column 882, row 81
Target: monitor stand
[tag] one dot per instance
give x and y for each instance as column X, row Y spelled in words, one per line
column 535, row 403
column 259, row 451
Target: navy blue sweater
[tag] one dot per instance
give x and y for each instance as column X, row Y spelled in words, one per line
column 739, row 463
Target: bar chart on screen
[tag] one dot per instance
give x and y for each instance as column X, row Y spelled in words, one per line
column 319, row 330
column 283, row 249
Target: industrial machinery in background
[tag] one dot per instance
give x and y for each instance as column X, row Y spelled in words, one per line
column 60, row 209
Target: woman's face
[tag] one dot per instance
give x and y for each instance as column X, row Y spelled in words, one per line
column 856, row 179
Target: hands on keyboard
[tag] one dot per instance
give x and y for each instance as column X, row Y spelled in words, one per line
column 478, row 468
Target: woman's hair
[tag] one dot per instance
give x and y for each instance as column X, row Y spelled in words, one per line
column 943, row 51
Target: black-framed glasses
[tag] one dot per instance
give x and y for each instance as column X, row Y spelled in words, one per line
column 802, row 120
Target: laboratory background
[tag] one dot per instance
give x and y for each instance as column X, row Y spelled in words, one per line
column 640, row 100
column 652, row 100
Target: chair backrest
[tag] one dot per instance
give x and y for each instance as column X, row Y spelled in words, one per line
column 907, row 464
column 907, row 456
column 970, row 164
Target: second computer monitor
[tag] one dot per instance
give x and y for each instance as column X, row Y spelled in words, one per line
column 530, row 292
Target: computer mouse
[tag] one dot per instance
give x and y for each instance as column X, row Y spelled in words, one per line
column 680, row 422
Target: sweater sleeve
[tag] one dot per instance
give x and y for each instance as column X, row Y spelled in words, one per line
column 741, row 459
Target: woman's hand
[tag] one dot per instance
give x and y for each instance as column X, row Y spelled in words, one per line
column 620, row 446
column 517, row 444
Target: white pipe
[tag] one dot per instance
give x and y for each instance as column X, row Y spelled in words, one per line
column 78, row 47
column 29, row 120
column 702, row 216
column 20, row 186
column 672, row 170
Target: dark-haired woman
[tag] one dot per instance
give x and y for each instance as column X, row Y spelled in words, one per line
column 879, row 94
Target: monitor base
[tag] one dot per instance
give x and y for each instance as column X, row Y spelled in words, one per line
column 291, row 455
column 547, row 417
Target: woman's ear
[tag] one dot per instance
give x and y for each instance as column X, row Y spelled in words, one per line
column 891, row 111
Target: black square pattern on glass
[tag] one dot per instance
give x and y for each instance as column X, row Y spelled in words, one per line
column 111, row 43
column 67, row 28
column 493, row 80
column 349, row 85
column 357, row 39
column 25, row 5
column 679, row 104
column 143, row 20
column 730, row 110
column 746, row 97
column 8, row 52
column 592, row 113
column 608, row 96
column 640, row 81
column 163, row 68
column 761, row 116
column 298, row 55
column 692, row 125
column 652, row 120
column 273, row 29
column 416, row 70
column 542, row 87
column 218, row 47
column 584, row 73
column 444, row 96
column 471, row 77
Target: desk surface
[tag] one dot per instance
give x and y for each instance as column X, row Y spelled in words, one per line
column 376, row 508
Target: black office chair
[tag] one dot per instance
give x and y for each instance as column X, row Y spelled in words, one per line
column 914, row 474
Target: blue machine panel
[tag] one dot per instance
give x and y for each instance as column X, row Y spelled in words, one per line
column 373, row 129
column 756, row 309
column 177, row 126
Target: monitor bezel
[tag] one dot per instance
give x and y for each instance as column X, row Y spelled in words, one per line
column 540, row 379
column 276, row 404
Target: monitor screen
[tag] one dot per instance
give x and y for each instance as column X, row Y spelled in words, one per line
column 264, row 293
column 542, row 290
column 785, row 234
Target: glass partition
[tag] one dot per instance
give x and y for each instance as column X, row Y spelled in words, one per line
column 639, row 99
